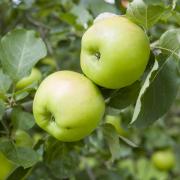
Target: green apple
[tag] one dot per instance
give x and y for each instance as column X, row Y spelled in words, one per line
column 68, row 106
column 114, row 51
column 116, row 122
column 34, row 77
column 6, row 167
column 164, row 160
column 49, row 61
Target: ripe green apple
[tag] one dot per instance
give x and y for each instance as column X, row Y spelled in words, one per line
column 68, row 106
column 164, row 160
column 35, row 76
column 114, row 51
column 116, row 122
column 6, row 167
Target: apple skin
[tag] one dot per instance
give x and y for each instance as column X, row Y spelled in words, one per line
column 68, row 106
column 114, row 52
column 35, row 76
column 6, row 167
column 163, row 160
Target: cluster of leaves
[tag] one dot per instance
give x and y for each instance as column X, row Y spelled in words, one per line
column 31, row 30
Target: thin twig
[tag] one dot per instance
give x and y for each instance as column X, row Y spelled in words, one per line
column 36, row 23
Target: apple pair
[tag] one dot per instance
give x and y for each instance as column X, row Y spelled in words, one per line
column 114, row 54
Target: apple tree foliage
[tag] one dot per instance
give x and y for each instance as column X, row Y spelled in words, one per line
column 47, row 34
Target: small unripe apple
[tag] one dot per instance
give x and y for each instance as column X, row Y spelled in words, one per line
column 34, row 77
column 68, row 106
column 49, row 61
column 164, row 160
column 6, row 167
column 116, row 122
column 114, row 51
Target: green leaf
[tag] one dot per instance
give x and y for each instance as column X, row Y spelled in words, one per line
column 127, row 141
column 2, row 109
column 159, row 2
column 97, row 7
column 20, row 50
column 23, row 93
column 127, row 165
column 22, row 120
column 23, row 139
column 83, row 16
column 22, row 156
column 68, row 18
column 143, row 14
column 112, row 139
column 142, row 91
column 5, row 82
column 25, row 4
column 40, row 171
column 176, row 16
column 20, row 96
column 61, row 158
column 19, row 173
column 158, row 92
column 146, row 169
column 163, row 140
column 124, row 96
column 169, row 42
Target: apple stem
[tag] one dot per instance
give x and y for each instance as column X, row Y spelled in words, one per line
column 52, row 118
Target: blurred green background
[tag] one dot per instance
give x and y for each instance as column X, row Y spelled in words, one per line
column 61, row 24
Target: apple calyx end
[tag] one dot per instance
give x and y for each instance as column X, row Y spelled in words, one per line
column 97, row 55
